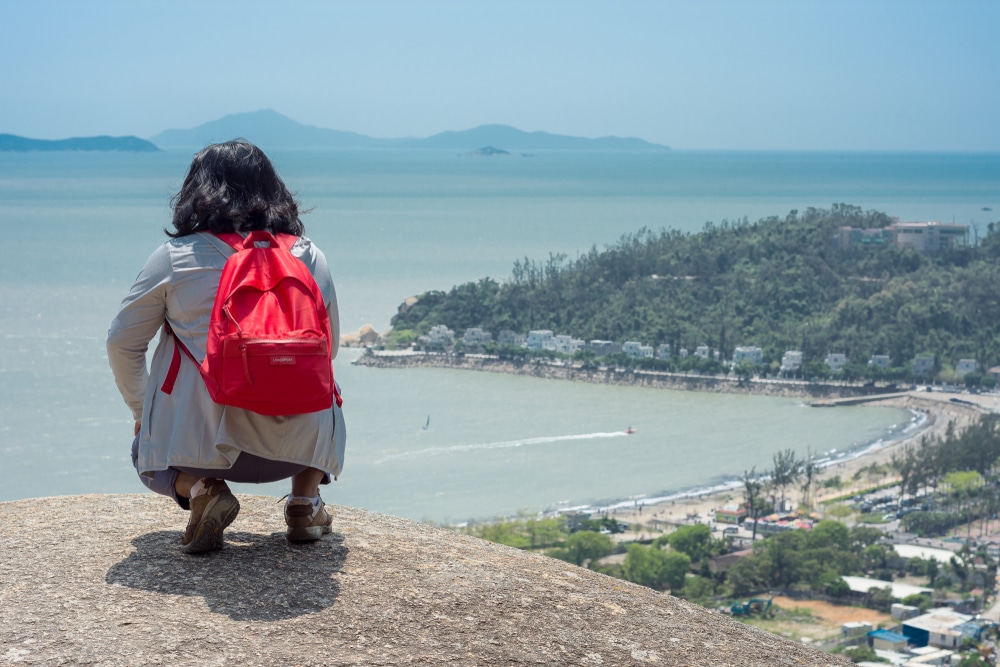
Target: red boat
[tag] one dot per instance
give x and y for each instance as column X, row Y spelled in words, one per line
column 629, row 431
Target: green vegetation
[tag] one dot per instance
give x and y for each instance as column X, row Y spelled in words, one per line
column 777, row 283
column 963, row 473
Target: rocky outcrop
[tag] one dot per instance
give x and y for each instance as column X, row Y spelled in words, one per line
column 362, row 338
column 101, row 580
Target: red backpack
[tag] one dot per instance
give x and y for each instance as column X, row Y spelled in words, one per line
column 269, row 337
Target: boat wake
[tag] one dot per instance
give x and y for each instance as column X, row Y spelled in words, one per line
column 507, row 444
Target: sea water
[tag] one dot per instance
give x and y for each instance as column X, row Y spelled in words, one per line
column 77, row 227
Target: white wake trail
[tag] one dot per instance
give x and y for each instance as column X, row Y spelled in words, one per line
column 508, row 444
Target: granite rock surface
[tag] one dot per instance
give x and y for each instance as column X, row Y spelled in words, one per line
column 100, row 580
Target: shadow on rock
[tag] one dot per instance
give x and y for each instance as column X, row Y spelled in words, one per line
column 254, row 577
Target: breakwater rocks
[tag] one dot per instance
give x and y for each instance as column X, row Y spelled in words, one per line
column 618, row 376
column 101, row 580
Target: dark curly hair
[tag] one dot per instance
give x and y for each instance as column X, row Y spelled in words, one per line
column 232, row 186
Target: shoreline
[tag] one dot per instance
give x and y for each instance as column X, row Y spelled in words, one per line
column 622, row 377
column 932, row 412
column 699, row 506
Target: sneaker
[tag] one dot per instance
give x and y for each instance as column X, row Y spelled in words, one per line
column 306, row 522
column 211, row 513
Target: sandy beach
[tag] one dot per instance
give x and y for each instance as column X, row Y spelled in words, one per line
column 651, row 520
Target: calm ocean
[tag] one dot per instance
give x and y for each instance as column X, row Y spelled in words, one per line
column 77, row 227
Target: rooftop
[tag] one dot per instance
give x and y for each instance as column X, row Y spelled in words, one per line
column 899, row 591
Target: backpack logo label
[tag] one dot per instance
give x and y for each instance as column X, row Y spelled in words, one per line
column 285, row 360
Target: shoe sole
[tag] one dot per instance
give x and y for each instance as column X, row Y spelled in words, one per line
column 306, row 533
column 221, row 512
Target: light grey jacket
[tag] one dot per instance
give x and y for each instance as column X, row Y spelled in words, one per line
column 186, row 428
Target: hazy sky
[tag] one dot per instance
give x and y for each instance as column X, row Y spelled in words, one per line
column 748, row 74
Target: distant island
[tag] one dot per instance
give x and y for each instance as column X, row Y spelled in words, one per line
column 130, row 144
column 489, row 151
column 272, row 130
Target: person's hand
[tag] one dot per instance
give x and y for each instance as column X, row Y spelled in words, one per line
column 138, row 425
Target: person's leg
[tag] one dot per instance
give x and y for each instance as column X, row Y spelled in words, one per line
column 183, row 483
column 163, row 482
column 213, row 508
column 305, row 512
column 306, row 483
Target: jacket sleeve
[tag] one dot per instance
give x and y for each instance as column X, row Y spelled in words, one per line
column 141, row 315
column 316, row 261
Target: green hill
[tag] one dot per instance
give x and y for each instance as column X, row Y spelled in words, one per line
column 776, row 283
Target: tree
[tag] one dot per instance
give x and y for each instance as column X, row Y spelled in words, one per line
column 835, row 586
column 829, row 534
column 917, row 600
column 786, row 471
column 809, row 470
column 544, row 532
column 906, row 467
column 586, row 545
column 963, row 484
column 656, row 568
column 753, row 492
column 864, row 536
column 880, row 598
column 691, row 540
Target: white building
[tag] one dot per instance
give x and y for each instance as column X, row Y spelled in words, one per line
column 508, row 337
column 566, row 344
column 965, row 366
column 936, row 628
column 441, row 335
column 879, row 361
column 748, row 353
column 854, row 629
column 836, row 361
column 928, row 236
column 663, row 351
column 635, row 350
column 476, row 336
column 791, row 361
column 702, row 352
column 923, row 365
column 537, row 339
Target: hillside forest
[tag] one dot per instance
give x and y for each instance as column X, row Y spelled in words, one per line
column 777, row 283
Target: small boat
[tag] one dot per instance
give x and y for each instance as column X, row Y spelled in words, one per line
column 629, row 431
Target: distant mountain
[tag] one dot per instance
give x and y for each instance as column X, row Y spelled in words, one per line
column 266, row 128
column 511, row 138
column 270, row 129
column 12, row 142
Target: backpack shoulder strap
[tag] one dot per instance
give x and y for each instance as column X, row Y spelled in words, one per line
column 231, row 238
column 286, row 241
column 175, row 360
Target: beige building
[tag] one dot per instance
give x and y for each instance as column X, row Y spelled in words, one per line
column 928, row 236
